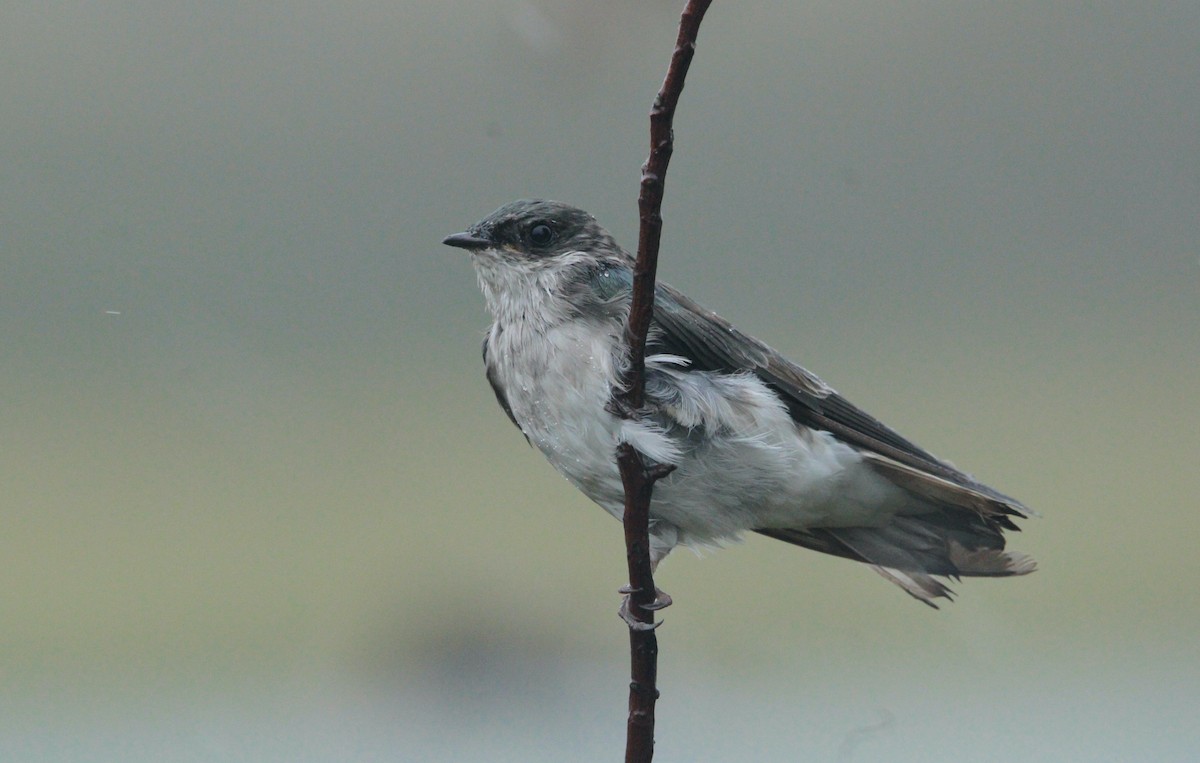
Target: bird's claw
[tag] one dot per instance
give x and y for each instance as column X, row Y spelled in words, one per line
column 662, row 600
column 634, row 623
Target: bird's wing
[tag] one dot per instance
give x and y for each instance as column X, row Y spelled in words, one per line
column 710, row 343
column 958, row 529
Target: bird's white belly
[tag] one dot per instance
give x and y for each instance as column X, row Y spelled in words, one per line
column 557, row 388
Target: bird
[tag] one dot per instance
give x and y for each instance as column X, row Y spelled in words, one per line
column 753, row 442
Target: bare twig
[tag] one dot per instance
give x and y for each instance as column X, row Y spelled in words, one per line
column 639, row 479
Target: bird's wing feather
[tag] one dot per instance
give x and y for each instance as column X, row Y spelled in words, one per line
column 959, row 533
column 710, row 343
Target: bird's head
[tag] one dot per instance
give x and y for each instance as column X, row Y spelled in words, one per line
column 530, row 253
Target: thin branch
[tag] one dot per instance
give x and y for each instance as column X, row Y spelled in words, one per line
column 637, row 477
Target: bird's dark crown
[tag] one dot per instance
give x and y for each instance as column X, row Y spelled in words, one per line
column 538, row 228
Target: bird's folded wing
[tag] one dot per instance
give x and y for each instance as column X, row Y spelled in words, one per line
column 709, row 342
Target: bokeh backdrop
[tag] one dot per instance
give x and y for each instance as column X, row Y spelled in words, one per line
column 257, row 502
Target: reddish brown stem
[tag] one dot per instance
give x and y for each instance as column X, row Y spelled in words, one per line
column 637, row 478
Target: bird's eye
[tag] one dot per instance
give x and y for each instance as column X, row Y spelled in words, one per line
column 541, row 235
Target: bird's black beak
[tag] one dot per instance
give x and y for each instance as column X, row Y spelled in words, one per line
column 466, row 241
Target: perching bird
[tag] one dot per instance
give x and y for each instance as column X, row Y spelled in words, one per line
column 756, row 442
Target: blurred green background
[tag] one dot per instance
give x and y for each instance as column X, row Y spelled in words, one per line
column 258, row 503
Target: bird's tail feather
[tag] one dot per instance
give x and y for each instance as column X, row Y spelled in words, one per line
column 911, row 550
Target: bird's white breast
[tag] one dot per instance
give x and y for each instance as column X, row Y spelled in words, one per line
column 557, row 385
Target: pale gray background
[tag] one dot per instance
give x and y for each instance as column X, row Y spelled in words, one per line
column 258, row 503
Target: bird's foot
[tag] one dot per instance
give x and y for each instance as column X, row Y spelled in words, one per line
column 662, row 600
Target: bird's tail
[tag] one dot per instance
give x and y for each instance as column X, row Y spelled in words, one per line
column 952, row 528
column 912, row 551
